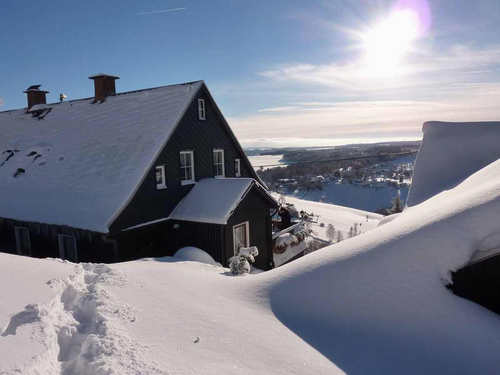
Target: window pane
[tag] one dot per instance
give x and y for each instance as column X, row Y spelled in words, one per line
column 159, row 175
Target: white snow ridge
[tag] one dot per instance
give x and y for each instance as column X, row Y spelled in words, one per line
column 81, row 328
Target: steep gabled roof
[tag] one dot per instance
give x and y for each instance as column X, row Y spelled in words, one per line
column 78, row 163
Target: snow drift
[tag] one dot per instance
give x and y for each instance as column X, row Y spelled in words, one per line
column 194, row 254
column 378, row 303
column 451, row 152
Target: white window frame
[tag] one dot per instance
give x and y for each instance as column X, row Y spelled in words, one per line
column 62, row 249
column 217, row 150
column 237, row 167
column 202, row 110
column 247, row 230
column 18, row 234
column 185, row 181
column 163, row 183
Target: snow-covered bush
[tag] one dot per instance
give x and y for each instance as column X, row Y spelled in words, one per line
column 240, row 263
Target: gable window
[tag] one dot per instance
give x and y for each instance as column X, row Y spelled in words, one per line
column 237, row 167
column 241, row 236
column 161, row 182
column 67, row 247
column 219, row 163
column 23, row 241
column 201, row 109
column 187, row 167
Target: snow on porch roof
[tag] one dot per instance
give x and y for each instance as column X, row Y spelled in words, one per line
column 213, row 200
column 78, row 163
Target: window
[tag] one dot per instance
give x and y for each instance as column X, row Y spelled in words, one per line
column 237, row 167
column 161, row 182
column 187, row 167
column 241, row 236
column 23, row 241
column 201, row 109
column 219, row 163
column 67, row 247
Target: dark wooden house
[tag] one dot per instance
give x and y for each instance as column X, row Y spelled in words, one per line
column 129, row 175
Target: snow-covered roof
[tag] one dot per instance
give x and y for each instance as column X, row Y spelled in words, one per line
column 213, row 200
column 82, row 162
column 451, row 152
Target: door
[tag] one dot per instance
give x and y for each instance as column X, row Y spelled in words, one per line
column 241, row 236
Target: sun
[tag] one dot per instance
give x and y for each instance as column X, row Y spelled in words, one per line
column 387, row 43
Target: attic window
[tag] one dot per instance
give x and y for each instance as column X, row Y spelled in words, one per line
column 201, row 109
column 237, row 168
column 187, row 167
column 161, row 182
column 219, row 163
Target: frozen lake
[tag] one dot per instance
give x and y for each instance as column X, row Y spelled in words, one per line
column 261, row 160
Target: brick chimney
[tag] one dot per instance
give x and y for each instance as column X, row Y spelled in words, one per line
column 35, row 95
column 104, row 85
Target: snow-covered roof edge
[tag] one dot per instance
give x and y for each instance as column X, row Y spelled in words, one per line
column 157, row 154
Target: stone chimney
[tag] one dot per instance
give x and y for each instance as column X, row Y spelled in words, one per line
column 35, row 95
column 104, row 85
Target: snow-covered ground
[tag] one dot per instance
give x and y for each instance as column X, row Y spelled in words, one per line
column 368, row 198
column 342, row 218
column 377, row 304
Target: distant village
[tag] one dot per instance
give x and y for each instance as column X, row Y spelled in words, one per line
column 378, row 175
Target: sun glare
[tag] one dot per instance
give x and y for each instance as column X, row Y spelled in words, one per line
column 388, row 42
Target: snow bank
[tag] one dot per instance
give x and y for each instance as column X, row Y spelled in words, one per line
column 378, row 303
column 451, row 152
column 193, row 254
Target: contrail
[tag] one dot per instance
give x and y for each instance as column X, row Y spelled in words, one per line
column 160, row 11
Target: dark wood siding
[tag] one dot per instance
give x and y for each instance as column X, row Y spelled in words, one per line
column 200, row 136
column 91, row 246
column 254, row 209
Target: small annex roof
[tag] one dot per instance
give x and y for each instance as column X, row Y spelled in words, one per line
column 213, row 200
column 79, row 163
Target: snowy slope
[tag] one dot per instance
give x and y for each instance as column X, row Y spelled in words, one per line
column 376, row 305
column 451, row 152
column 342, row 218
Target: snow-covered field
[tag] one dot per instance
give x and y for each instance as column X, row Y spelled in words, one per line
column 357, row 196
column 377, row 304
column 342, row 218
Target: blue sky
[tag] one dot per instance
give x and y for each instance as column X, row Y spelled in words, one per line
column 284, row 72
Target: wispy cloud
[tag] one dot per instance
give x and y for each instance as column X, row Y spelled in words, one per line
column 278, row 109
column 170, row 10
column 456, row 64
